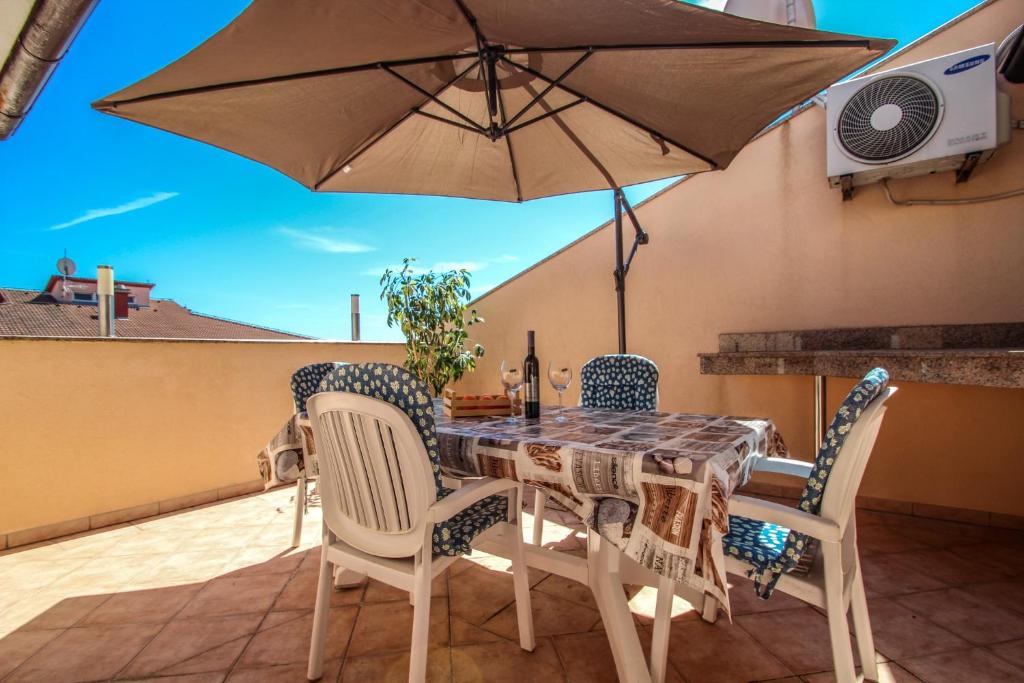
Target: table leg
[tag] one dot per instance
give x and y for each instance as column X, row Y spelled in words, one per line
column 611, row 600
column 820, row 392
column 662, row 622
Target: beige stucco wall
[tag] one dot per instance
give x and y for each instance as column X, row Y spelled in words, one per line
column 766, row 245
column 93, row 426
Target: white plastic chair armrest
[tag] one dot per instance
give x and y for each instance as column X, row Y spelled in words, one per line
column 470, row 493
column 787, row 466
column 791, row 518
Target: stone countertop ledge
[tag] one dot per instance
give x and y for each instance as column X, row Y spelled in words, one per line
column 989, row 355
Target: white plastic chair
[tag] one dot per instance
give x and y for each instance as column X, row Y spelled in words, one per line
column 380, row 505
column 834, row 581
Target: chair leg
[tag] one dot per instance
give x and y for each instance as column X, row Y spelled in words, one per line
column 839, row 632
column 520, row 575
column 420, row 618
column 300, row 510
column 662, row 624
column 321, row 615
column 540, row 500
column 862, row 626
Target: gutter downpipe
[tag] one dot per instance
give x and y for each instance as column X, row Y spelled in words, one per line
column 44, row 40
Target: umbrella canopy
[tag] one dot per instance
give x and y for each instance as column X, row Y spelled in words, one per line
column 490, row 99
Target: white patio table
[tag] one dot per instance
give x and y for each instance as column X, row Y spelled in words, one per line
column 652, row 488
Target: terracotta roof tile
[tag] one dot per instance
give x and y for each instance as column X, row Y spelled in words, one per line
column 25, row 312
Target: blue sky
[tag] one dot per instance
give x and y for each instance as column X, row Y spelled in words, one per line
column 232, row 238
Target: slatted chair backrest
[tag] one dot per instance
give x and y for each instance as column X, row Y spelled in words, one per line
column 306, row 382
column 619, row 382
column 376, row 480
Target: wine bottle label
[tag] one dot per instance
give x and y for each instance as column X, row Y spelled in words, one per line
column 532, row 390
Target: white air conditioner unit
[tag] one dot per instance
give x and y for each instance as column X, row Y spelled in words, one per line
column 937, row 115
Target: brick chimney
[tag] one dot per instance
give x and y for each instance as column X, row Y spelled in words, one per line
column 121, row 295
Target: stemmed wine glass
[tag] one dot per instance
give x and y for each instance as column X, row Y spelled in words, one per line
column 512, row 378
column 560, row 375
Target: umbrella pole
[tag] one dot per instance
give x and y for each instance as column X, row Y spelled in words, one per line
column 620, row 274
column 621, row 265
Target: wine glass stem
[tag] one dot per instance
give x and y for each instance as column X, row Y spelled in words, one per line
column 559, row 404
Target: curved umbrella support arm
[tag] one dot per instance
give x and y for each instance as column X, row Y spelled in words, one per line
column 622, row 265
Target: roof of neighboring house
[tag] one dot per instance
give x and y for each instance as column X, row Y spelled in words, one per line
column 26, row 312
column 91, row 280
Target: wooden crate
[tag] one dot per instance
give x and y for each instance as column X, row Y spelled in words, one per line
column 467, row 405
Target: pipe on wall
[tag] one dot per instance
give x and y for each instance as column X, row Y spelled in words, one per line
column 42, row 43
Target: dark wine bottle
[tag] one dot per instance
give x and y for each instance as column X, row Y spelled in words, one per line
column 531, row 381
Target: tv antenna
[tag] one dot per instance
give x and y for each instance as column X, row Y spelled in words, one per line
column 66, row 267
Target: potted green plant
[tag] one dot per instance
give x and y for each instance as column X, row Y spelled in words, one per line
column 431, row 310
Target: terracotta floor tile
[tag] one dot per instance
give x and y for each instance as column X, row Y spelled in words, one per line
column 962, row 613
column 465, row 633
column 643, row 601
column 744, row 600
column 964, row 666
column 1007, row 558
column 258, row 559
column 798, row 637
column 16, row 647
column 888, row 575
column 188, row 646
column 506, row 662
column 881, row 539
column 900, row 632
column 181, row 567
column 1009, row 594
column 394, row 668
column 284, row 638
column 286, row 673
column 85, row 654
column 56, row 609
column 574, row 591
column 387, row 627
column 378, row 591
column 236, row 595
column 300, row 593
column 587, row 658
column 477, row 594
column 948, row 567
column 888, row 672
column 551, row 616
column 213, row 677
column 32, row 574
column 1013, row 652
column 146, row 606
column 720, row 653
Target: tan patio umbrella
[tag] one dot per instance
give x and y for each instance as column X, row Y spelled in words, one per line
column 491, row 99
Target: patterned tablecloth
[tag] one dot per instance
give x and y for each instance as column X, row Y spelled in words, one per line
column 655, row 484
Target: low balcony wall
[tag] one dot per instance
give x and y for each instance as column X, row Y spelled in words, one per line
column 99, row 431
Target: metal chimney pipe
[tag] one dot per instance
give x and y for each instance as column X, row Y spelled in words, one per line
column 105, row 299
column 355, row 317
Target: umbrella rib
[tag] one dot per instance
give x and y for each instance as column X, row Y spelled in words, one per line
column 625, row 117
column 432, row 97
column 552, row 112
column 714, row 45
column 548, row 89
column 331, row 173
column 508, row 144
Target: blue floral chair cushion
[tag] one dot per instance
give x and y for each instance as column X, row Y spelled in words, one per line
column 619, row 382
column 758, row 543
column 401, row 388
column 306, row 382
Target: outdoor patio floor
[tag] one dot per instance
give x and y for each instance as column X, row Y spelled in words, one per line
column 214, row 593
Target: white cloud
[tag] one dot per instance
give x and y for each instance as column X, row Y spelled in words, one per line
column 505, row 258
column 440, row 266
column 326, row 240
column 134, row 205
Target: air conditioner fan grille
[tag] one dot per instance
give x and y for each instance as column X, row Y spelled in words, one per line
column 918, row 117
